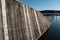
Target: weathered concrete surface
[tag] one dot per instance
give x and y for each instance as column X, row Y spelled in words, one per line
column 50, row 18
column 23, row 22
column 1, row 24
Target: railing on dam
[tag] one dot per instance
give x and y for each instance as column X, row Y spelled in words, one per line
column 21, row 22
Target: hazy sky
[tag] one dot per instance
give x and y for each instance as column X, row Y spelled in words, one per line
column 43, row 4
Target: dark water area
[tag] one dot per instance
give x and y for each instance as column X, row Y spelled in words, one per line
column 53, row 32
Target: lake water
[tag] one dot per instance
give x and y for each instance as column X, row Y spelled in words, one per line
column 53, row 32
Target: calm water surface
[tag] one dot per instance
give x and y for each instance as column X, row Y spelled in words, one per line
column 54, row 31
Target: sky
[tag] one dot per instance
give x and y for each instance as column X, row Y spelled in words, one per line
column 43, row 4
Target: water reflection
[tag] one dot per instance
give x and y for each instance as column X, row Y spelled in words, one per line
column 54, row 31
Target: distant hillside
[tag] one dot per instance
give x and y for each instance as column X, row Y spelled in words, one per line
column 50, row 11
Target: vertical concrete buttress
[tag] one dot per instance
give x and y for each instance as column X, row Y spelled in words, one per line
column 4, row 20
column 25, row 15
column 29, row 23
column 37, row 22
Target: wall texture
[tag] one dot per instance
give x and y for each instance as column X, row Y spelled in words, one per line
column 21, row 22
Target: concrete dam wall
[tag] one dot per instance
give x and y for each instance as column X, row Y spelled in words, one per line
column 21, row 22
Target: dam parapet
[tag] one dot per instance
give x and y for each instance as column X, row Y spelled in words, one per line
column 21, row 22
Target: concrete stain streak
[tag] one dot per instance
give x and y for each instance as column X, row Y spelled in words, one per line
column 4, row 20
column 37, row 22
column 27, row 32
column 29, row 23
